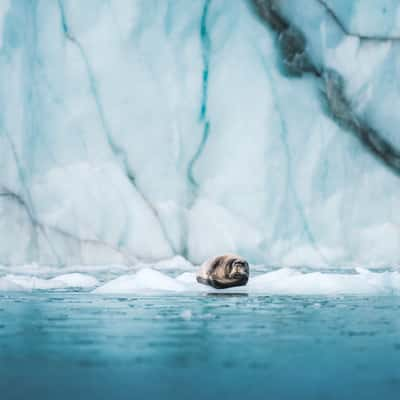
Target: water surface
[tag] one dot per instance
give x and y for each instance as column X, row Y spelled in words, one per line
column 60, row 345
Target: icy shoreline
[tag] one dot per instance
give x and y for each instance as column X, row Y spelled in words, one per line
column 179, row 277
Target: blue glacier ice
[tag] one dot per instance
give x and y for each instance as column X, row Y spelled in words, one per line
column 136, row 131
column 139, row 138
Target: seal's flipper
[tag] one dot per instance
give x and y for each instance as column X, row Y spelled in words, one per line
column 211, row 282
column 203, row 280
column 224, row 283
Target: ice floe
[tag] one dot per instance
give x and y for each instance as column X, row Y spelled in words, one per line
column 283, row 281
column 24, row 282
column 8, row 286
column 146, row 279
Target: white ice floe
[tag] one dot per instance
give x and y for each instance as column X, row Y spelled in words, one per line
column 76, row 280
column 186, row 315
column 9, row 286
column 284, row 281
column 289, row 281
column 34, row 269
column 146, row 279
column 23, row 282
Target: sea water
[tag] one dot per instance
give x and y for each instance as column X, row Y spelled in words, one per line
column 72, row 343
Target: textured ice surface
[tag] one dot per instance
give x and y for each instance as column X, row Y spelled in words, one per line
column 368, row 18
column 28, row 282
column 144, row 280
column 148, row 281
column 8, row 285
column 138, row 130
column 360, row 41
column 283, row 281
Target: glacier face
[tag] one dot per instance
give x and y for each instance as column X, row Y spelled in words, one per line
column 139, row 130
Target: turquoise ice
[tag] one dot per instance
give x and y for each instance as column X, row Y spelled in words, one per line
column 140, row 130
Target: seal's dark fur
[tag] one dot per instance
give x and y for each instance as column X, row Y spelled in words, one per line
column 224, row 272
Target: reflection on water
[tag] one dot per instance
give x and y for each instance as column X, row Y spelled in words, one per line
column 60, row 345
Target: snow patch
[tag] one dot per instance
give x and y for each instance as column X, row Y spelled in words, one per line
column 76, row 280
column 146, row 279
column 284, row 281
column 24, row 282
column 9, row 286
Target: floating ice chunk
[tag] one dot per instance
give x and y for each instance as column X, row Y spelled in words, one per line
column 287, row 281
column 144, row 280
column 270, row 278
column 31, row 282
column 9, row 286
column 59, row 282
column 190, row 282
column 122, row 284
column 187, row 277
column 48, row 271
column 76, row 280
column 186, row 315
column 284, row 281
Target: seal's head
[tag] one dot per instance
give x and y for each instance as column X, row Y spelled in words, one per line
column 238, row 270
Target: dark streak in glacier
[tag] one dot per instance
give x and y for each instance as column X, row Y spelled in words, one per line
column 291, row 42
column 297, row 62
column 347, row 31
column 30, row 64
column 34, row 242
column 28, row 205
column 340, row 109
column 7, row 193
column 203, row 117
column 35, row 224
column 119, row 153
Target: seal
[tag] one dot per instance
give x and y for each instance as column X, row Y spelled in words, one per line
column 224, row 271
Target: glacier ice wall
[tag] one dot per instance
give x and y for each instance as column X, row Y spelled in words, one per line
column 138, row 130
